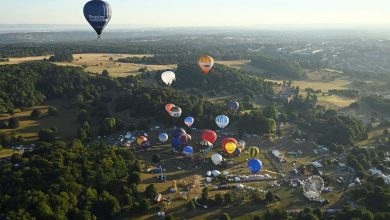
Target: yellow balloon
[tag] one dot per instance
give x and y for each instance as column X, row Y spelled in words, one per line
column 206, row 63
column 230, row 147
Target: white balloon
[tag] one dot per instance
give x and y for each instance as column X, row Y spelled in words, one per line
column 222, row 121
column 168, row 77
column 216, row 159
column 175, row 112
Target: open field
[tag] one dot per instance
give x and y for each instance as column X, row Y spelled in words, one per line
column 334, row 101
column 6, row 153
column 65, row 121
column 97, row 62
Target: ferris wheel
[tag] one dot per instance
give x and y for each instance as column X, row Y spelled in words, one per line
column 314, row 184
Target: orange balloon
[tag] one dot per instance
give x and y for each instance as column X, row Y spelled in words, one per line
column 168, row 107
column 141, row 139
column 206, row 63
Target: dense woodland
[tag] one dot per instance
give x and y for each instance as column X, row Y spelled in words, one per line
column 283, row 67
column 378, row 103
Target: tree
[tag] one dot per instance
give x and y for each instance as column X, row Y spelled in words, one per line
column 170, row 217
column 269, row 197
column 224, row 216
column 144, row 205
column 386, row 132
column 151, row 191
column 156, row 158
column 218, row 199
column 191, row 205
column 36, row 114
column 82, row 116
column 82, row 134
column 109, row 125
column 228, row 198
column 205, row 194
column 134, row 177
column 52, row 111
column 47, row 134
column 13, row 123
column 105, row 73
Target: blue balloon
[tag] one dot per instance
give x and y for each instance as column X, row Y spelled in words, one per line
column 163, row 137
column 255, row 165
column 189, row 121
column 176, row 142
column 177, row 132
column 237, row 152
column 233, row 106
column 98, row 14
column 188, row 150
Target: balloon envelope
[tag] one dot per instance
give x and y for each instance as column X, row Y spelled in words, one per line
column 206, row 63
column 168, row 77
column 237, row 152
column 185, row 138
column 178, row 131
column 227, row 140
column 255, row 165
column 233, row 106
column 145, row 145
column 141, row 139
column 241, row 145
column 175, row 112
column 98, row 14
column 210, row 136
column 216, row 159
column 176, row 143
column 230, row 148
column 253, row 151
column 168, row 107
column 188, row 150
column 163, row 137
column 189, row 121
column 222, row 121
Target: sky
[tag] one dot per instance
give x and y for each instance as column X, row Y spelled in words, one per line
column 203, row 12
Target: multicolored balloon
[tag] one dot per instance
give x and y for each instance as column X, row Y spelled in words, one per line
column 189, row 121
column 253, row 151
column 178, row 131
column 185, row 138
column 175, row 112
column 98, row 14
column 241, row 145
column 141, row 139
column 227, row 140
column 222, row 121
column 206, row 63
column 255, row 165
column 230, row 148
column 210, row 136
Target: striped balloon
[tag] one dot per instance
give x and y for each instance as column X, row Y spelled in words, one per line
column 253, row 151
column 222, row 121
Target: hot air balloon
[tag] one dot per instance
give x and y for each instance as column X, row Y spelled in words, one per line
column 141, row 139
column 241, row 145
column 206, row 63
column 188, row 150
column 189, row 121
column 163, row 137
column 206, row 146
column 230, row 147
column 185, row 138
column 233, row 106
column 168, row 107
column 227, row 140
column 168, row 77
column 253, row 151
column 216, row 159
column 222, row 121
column 145, row 145
column 176, row 143
column 98, row 14
column 237, row 152
column 175, row 112
column 210, row 136
column 178, row 131
column 255, row 165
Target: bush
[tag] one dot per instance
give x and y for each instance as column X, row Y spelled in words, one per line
column 228, row 197
column 36, row 114
column 13, row 123
column 47, row 134
column 191, row 206
column 224, row 216
column 218, row 199
column 52, row 111
column 135, row 177
column 156, row 158
column 150, row 191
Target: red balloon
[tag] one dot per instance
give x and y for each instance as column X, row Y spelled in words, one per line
column 210, row 136
column 168, row 107
column 185, row 138
column 227, row 140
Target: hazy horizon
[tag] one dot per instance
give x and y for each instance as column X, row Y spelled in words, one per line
column 176, row 13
